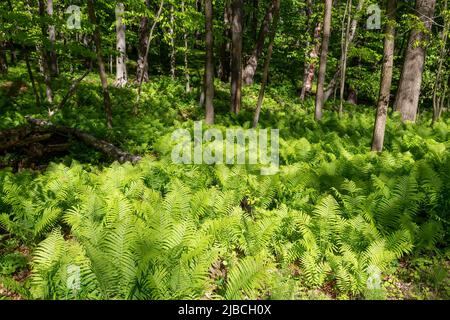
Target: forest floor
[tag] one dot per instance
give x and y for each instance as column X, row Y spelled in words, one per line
column 337, row 151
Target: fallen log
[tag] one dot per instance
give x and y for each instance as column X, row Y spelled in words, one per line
column 37, row 131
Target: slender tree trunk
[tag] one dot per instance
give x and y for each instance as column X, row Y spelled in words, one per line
column 323, row 59
column 345, row 46
column 255, row 6
column 225, row 48
column 101, row 65
column 354, row 25
column 53, row 62
column 209, row 65
column 172, row 44
column 33, row 83
column 407, row 100
column 439, row 91
column 267, row 64
column 186, row 52
column 252, row 62
column 236, row 56
column 121, row 48
column 142, row 62
column 310, row 65
column 45, row 57
column 386, row 78
column 147, row 50
column 3, row 61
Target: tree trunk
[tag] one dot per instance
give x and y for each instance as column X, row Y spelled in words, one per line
column 225, row 48
column 407, row 100
column 334, row 81
column 209, row 64
column 53, row 62
column 121, row 48
column 386, row 79
column 439, row 92
column 255, row 6
column 323, row 60
column 344, row 54
column 101, row 65
column 267, row 64
column 186, row 52
column 45, row 57
column 310, row 65
column 236, row 56
column 142, row 62
column 3, row 61
column 252, row 62
column 33, row 83
column 147, row 50
column 172, row 44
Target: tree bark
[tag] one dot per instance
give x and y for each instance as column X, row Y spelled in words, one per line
column 3, row 61
column 407, row 100
column 354, row 25
column 101, row 65
column 310, row 64
column 33, row 83
column 440, row 88
column 267, row 64
column 121, row 48
column 386, row 79
column 172, row 44
column 323, row 60
column 186, row 52
column 53, row 61
column 225, row 48
column 209, row 63
column 236, row 56
column 147, row 50
column 344, row 54
column 142, row 62
column 252, row 62
column 45, row 57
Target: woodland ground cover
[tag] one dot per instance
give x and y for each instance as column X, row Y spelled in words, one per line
column 337, row 222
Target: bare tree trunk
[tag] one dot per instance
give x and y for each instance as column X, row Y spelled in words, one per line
column 121, row 48
column 252, row 62
column 45, row 58
column 101, row 65
column 386, row 79
column 323, row 60
column 407, row 100
column 236, row 56
column 186, row 52
column 345, row 46
column 142, row 62
column 33, row 83
column 267, row 64
column 53, row 62
column 310, row 65
column 254, row 26
column 439, row 92
column 334, row 81
column 3, row 61
column 172, row 44
column 225, row 48
column 209, row 65
column 147, row 50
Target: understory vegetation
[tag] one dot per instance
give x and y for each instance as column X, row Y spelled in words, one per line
column 335, row 222
column 93, row 205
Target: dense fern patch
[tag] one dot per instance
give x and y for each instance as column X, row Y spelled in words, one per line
column 335, row 221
